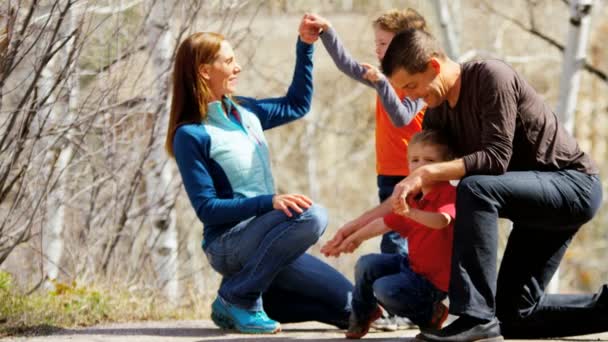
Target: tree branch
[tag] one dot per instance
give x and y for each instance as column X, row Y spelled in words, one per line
column 553, row 42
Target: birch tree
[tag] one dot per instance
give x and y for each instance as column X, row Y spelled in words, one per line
column 22, row 127
column 59, row 155
column 163, row 242
column 575, row 54
column 448, row 29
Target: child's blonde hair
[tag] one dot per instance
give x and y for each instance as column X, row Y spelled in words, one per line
column 398, row 20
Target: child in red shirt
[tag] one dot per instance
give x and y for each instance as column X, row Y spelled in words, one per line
column 411, row 286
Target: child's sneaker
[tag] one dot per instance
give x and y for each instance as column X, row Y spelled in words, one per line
column 359, row 328
column 385, row 323
column 228, row 316
column 404, row 323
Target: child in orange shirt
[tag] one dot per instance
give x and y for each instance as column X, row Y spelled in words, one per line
column 397, row 117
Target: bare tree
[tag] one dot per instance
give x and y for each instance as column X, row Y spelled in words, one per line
column 163, row 241
column 448, row 29
column 574, row 58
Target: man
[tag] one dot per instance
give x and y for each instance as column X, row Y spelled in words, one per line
column 518, row 162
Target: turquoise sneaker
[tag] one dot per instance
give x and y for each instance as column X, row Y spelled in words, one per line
column 228, row 316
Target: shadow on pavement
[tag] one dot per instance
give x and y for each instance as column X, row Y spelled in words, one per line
column 182, row 332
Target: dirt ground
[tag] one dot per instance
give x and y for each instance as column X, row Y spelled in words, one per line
column 203, row 330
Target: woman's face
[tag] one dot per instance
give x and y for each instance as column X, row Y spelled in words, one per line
column 221, row 74
column 382, row 39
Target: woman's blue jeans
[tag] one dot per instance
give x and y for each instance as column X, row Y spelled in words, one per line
column 547, row 209
column 263, row 264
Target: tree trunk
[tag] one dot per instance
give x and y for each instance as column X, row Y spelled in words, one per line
column 450, row 37
column 164, row 239
column 574, row 59
column 62, row 109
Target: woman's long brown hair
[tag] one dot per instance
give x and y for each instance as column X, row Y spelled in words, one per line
column 191, row 93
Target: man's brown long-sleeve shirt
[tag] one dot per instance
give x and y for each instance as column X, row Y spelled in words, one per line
column 501, row 124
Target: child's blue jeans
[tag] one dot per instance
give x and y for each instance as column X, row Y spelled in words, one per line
column 389, row 280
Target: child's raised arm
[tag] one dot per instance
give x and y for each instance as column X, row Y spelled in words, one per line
column 401, row 112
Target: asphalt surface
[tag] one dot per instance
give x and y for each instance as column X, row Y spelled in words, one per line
column 204, row 330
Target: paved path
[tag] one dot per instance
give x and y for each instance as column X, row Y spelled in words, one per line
column 199, row 331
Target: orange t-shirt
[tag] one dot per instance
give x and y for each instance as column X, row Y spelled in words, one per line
column 391, row 141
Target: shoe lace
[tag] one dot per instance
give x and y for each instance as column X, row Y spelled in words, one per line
column 261, row 315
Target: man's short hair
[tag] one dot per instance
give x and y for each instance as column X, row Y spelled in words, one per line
column 411, row 50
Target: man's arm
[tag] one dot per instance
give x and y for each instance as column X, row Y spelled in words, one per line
column 425, row 175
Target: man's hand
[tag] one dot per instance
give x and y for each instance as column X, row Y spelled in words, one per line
column 410, row 186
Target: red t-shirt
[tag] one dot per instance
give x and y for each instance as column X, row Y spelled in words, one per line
column 430, row 250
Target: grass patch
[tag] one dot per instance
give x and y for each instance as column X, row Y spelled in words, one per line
column 71, row 305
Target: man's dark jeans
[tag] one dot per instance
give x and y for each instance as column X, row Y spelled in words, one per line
column 547, row 209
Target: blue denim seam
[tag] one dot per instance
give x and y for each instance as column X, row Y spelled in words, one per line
column 285, row 230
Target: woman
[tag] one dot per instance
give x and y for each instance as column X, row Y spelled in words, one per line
column 254, row 238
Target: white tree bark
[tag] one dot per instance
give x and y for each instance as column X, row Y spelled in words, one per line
column 59, row 155
column 448, row 29
column 574, row 59
column 164, row 239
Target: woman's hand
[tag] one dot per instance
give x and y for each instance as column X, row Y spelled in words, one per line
column 311, row 27
column 288, row 202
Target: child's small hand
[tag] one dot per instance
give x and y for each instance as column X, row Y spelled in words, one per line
column 403, row 211
column 311, row 26
column 372, row 74
column 350, row 247
column 350, row 243
column 400, row 208
column 331, row 247
column 328, row 248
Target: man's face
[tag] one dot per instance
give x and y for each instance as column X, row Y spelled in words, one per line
column 424, row 85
